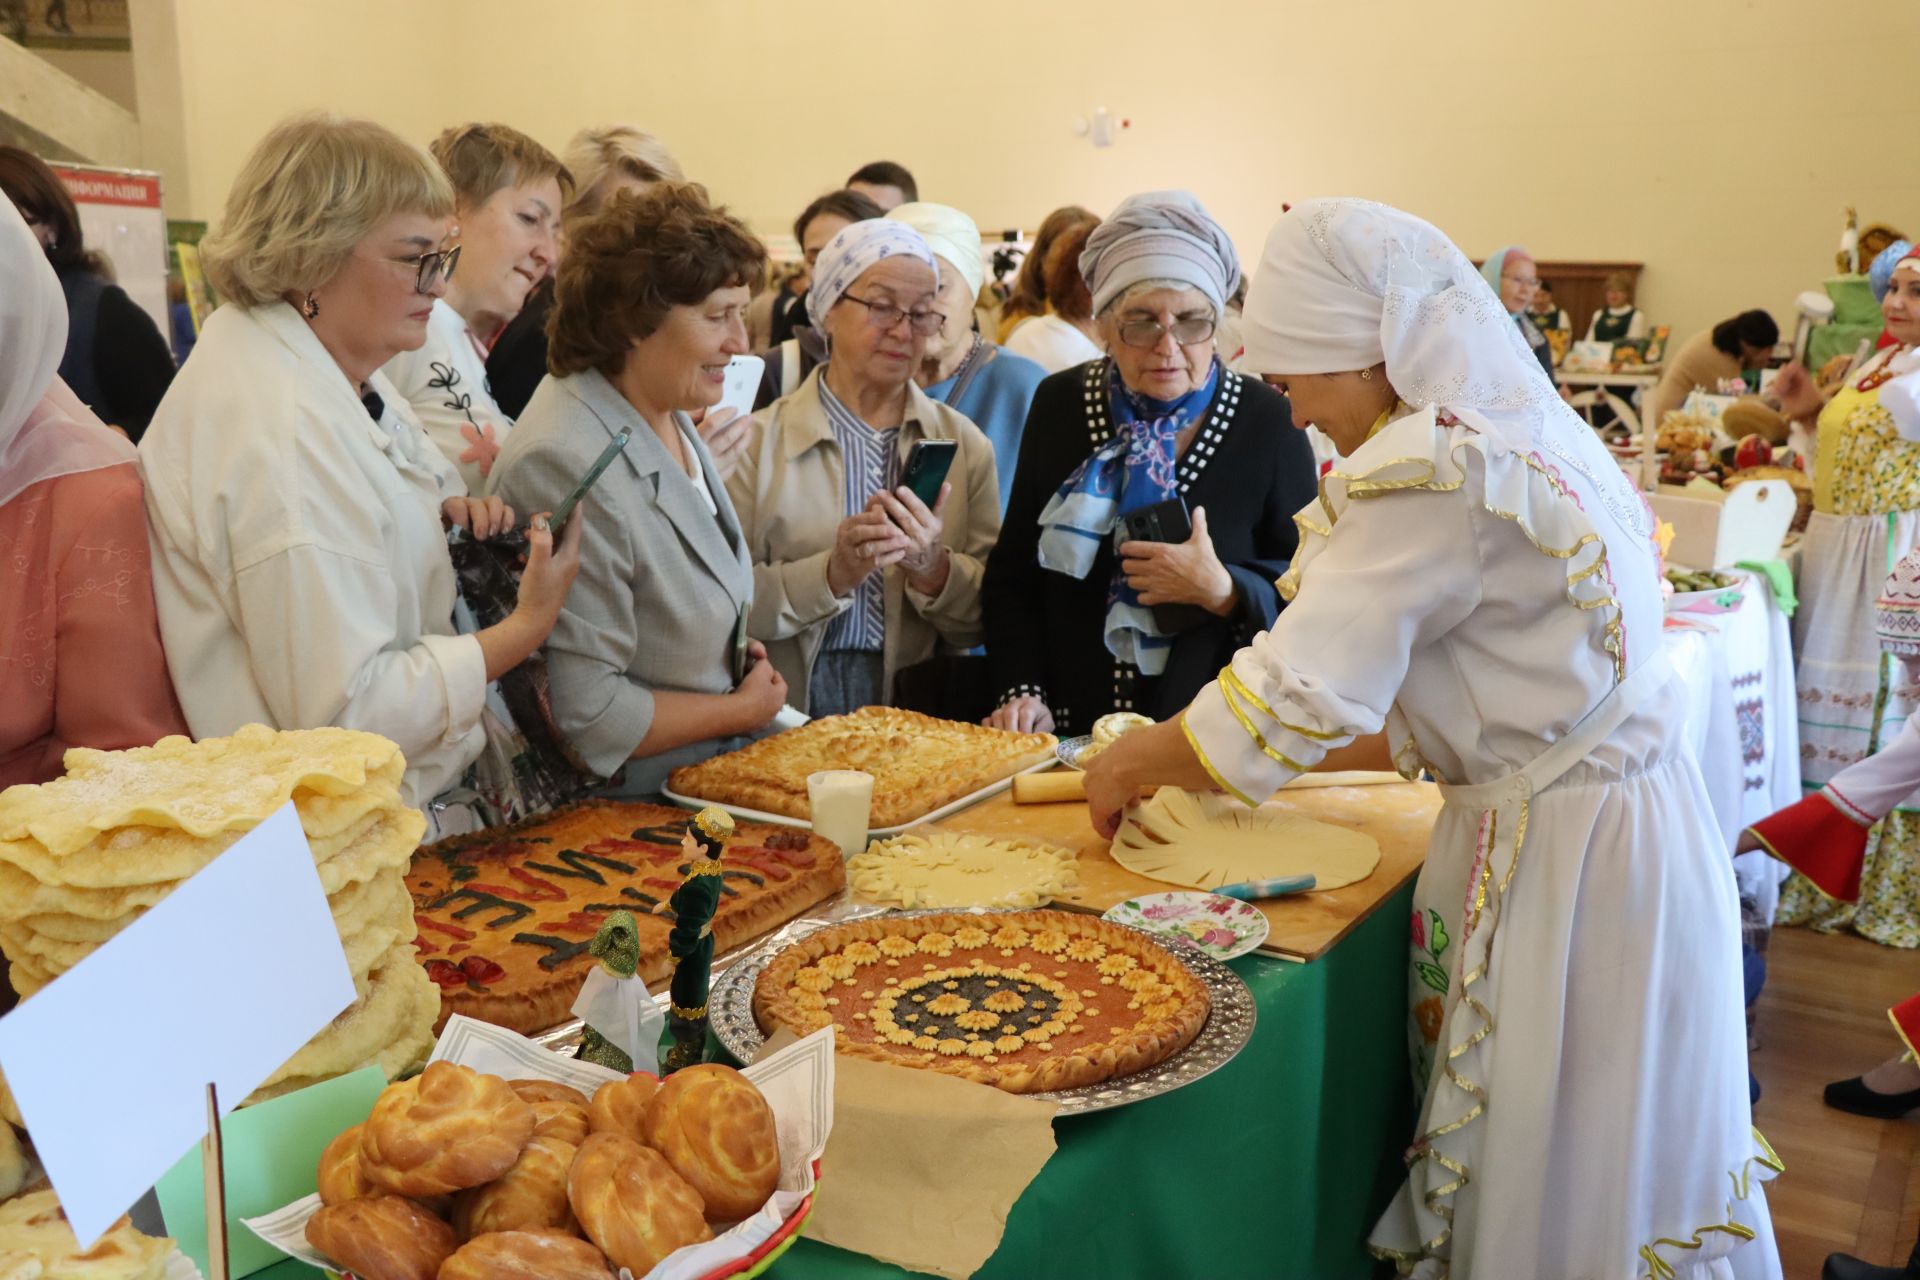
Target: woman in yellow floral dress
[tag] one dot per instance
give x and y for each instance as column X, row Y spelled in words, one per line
column 1853, row 700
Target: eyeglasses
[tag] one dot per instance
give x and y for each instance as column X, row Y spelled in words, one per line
column 1186, row 331
column 1525, row 282
column 438, row 262
column 884, row 315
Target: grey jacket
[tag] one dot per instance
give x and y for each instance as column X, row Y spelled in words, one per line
column 662, row 581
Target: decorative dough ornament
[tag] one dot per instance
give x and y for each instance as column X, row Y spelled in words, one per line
column 1202, row 841
column 952, row 869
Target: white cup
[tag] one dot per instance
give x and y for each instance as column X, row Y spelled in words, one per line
column 841, row 801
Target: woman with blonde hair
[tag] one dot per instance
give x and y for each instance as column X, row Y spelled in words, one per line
column 507, row 194
column 298, row 512
column 602, row 159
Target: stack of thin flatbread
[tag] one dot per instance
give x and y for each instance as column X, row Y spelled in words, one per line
column 84, row 856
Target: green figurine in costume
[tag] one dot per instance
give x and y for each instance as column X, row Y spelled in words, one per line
column 690, row 943
column 617, row 947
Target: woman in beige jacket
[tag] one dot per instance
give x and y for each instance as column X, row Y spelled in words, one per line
column 854, row 579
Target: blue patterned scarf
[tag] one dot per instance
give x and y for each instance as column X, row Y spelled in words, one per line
column 1136, row 469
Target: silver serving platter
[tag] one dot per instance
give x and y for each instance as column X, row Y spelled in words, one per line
column 1069, row 750
column 1228, row 1028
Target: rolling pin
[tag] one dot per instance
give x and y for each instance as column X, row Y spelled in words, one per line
column 1057, row 786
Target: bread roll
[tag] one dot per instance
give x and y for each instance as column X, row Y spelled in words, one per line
column 562, row 1120
column 620, row 1106
column 341, row 1177
column 717, row 1132
column 13, row 1162
column 445, row 1130
column 382, row 1238
column 526, row 1255
column 632, row 1204
column 547, row 1091
column 531, row 1196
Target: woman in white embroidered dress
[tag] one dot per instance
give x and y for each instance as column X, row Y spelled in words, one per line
column 1479, row 578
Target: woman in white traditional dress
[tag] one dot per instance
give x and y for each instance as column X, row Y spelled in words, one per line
column 1479, row 578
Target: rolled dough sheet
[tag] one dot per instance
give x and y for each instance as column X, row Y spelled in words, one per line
column 1203, row 840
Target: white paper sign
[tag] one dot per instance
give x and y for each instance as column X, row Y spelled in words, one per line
column 221, row 982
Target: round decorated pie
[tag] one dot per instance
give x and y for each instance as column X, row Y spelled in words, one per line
column 1027, row 1001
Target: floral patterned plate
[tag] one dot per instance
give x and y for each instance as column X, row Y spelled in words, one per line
column 1222, row 927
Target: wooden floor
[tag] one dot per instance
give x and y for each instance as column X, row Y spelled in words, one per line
column 1851, row 1184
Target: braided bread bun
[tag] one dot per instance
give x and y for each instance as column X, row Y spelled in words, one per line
column 447, row 1129
column 547, row 1091
column 525, row 1255
column 341, row 1176
column 531, row 1196
column 632, row 1204
column 562, row 1120
column 382, row 1238
column 620, row 1106
column 717, row 1132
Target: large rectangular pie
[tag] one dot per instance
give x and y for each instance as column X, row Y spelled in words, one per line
column 505, row 915
column 918, row 762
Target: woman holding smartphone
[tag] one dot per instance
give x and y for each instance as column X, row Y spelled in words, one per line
column 650, row 305
column 854, row 576
column 1153, row 505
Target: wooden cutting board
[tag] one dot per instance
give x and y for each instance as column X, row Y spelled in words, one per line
column 1303, row 925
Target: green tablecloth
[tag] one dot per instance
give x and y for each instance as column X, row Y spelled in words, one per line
column 1272, row 1168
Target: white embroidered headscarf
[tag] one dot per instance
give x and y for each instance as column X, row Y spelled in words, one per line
column 44, row 429
column 951, row 234
column 848, row 256
column 1345, row 285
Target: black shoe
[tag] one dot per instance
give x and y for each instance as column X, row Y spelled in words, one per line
column 1844, row 1266
column 1854, row 1096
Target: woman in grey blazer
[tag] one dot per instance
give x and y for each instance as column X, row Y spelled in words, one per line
column 649, row 306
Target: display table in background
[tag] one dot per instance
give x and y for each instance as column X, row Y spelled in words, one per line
column 1736, row 674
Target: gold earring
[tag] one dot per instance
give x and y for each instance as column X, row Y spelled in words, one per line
column 310, row 305
column 1366, row 375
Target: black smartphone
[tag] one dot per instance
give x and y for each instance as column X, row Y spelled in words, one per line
column 1165, row 522
column 1162, row 522
column 927, row 465
column 594, row 472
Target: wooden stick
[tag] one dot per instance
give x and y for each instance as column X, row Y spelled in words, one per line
column 213, row 1176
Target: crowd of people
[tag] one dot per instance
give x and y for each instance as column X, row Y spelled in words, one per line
column 425, row 350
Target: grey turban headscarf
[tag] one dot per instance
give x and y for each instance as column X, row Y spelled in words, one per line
column 1160, row 235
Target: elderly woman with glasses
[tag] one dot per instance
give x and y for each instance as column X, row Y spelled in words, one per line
column 1087, row 610
column 855, row 578
column 1515, row 277
column 298, row 512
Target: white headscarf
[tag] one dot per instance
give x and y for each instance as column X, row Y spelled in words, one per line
column 950, row 234
column 848, row 255
column 44, row 429
column 1345, row 285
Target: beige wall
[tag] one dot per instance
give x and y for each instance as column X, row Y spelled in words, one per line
column 1698, row 156
column 107, row 71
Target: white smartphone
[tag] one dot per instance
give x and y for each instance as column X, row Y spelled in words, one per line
column 743, row 383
